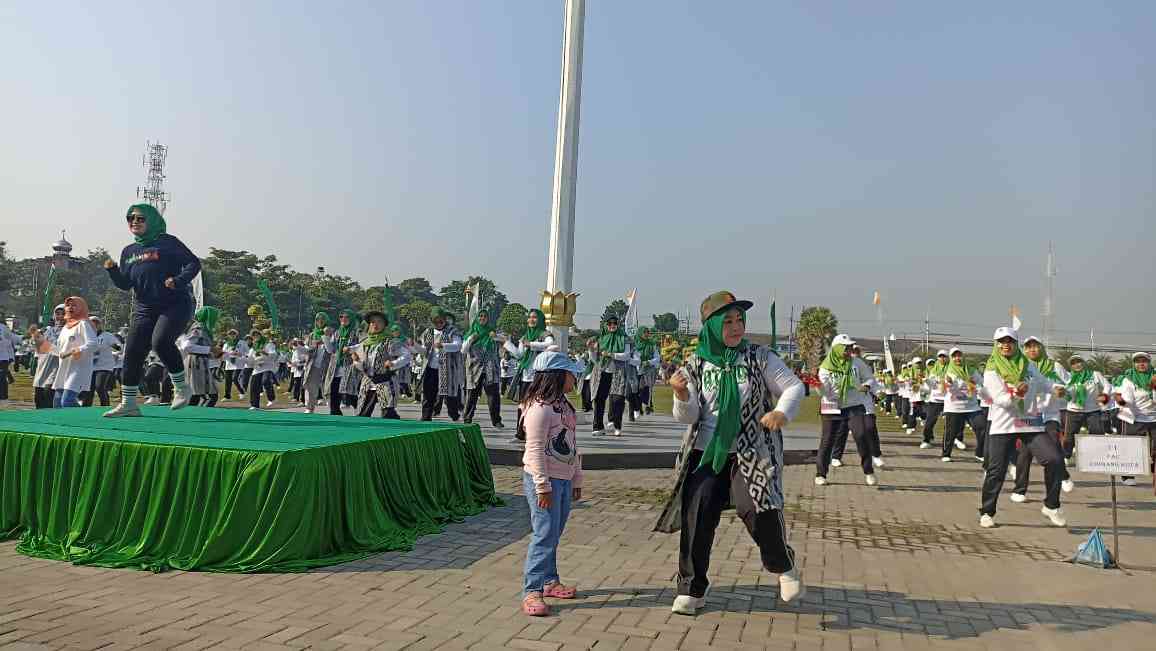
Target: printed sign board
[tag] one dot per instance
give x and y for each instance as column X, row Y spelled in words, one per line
column 1112, row 455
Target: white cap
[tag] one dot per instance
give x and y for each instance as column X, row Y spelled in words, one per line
column 941, row 352
column 1140, row 353
column 954, row 351
column 1033, row 338
column 846, row 340
column 930, row 361
column 1005, row 331
column 915, row 360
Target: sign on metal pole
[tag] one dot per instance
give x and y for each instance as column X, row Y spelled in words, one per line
column 1113, row 455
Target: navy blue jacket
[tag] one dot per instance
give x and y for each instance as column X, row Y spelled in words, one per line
column 144, row 269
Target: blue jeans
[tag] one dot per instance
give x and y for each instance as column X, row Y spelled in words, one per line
column 547, row 526
column 65, row 398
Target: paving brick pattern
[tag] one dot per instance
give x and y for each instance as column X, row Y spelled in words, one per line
column 901, row 566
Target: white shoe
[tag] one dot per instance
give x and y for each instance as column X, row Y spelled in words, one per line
column 871, row 480
column 252, row 409
column 122, row 410
column 240, row 396
column 616, row 432
column 910, row 430
column 152, row 400
column 820, row 481
column 924, row 446
column 637, row 415
column 836, row 463
column 1056, row 516
column 1068, row 485
column 878, row 462
column 1067, row 462
column 269, row 404
column 960, row 445
column 979, row 458
column 598, row 432
column 1129, row 482
column 791, row 587
column 181, row 398
column 685, row 604
column 986, row 521
column 945, row 459
column 1018, row 498
column 1011, row 472
column 308, row 411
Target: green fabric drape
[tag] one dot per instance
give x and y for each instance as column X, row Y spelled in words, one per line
column 213, row 491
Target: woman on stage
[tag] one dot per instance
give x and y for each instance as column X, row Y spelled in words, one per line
column 158, row 268
column 483, row 372
column 733, row 450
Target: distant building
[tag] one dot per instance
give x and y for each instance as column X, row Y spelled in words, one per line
column 30, row 277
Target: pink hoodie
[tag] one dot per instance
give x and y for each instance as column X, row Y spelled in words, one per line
column 551, row 444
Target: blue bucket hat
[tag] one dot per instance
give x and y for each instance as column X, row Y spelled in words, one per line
column 555, row 361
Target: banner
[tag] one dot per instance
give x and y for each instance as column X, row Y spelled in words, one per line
column 630, row 321
column 199, row 290
column 475, row 303
column 46, row 303
column 774, row 327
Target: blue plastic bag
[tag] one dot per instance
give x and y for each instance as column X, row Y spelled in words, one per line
column 1094, row 552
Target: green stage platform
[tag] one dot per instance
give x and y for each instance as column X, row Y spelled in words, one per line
column 228, row 490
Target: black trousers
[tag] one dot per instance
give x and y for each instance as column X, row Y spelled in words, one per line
column 931, row 412
column 586, row 402
column 704, row 496
column 246, row 375
column 493, row 399
column 43, row 397
column 209, row 400
column 1043, row 446
column 1024, row 459
column 335, row 397
column 4, row 379
column 913, row 413
column 295, row 388
column 430, row 397
column 233, row 379
column 155, row 327
column 1072, row 421
column 644, row 395
column 873, row 442
column 888, row 402
column 367, row 405
column 835, row 425
column 953, row 429
column 101, row 381
column 1140, row 429
column 261, row 381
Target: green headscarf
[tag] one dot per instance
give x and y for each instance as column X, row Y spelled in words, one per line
column 259, row 340
column 841, row 366
column 154, row 224
column 939, row 370
column 395, row 332
column 1076, row 384
column 483, row 334
column 612, row 342
column 1143, row 381
column 372, row 339
column 958, row 370
column 1046, row 366
column 319, row 330
column 343, row 333
column 645, row 345
column 207, row 316
column 532, row 334
column 712, row 349
column 1012, row 370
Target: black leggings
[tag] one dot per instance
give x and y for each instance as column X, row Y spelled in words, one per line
column 155, row 327
column 256, row 383
column 836, row 425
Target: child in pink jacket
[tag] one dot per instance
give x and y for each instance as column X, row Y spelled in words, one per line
column 552, row 475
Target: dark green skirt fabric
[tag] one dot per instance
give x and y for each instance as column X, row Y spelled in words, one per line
column 229, row 490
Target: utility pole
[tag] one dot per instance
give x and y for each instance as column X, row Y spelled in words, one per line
column 791, row 334
column 926, row 331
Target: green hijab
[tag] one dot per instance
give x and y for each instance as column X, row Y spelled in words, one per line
column 711, row 348
column 482, row 334
column 939, row 370
column 1012, row 370
column 372, row 339
column 343, row 334
column 958, row 370
column 644, row 342
column 319, row 330
column 207, row 316
column 532, row 334
column 154, row 224
column 612, row 342
column 1076, row 384
column 836, row 363
column 1143, row 381
column 259, row 341
column 1046, row 366
column 395, row 332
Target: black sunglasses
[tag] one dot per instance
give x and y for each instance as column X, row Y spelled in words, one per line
column 136, row 218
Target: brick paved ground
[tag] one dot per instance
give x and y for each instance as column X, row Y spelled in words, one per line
column 903, row 566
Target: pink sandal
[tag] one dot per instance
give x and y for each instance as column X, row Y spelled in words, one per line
column 533, row 605
column 559, row 591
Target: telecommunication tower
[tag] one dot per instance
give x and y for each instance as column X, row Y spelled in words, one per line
column 153, row 192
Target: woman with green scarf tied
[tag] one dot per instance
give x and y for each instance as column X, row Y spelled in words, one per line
column 1019, row 394
column 480, row 349
column 158, row 268
column 197, row 347
column 841, row 399
column 1088, row 393
column 342, row 380
column 1136, row 397
column 319, row 346
column 234, row 351
column 535, row 340
column 1037, row 354
column 378, row 357
column 961, row 405
column 610, row 380
column 732, row 452
column 263, row 358
column 444, row 373
column 649, row 362
column 933, row 405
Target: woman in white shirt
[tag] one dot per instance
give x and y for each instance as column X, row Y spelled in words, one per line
column 103, row 363
column 732, row 451
column 263, row 361
column 74, row 348
column 961, row 405
column 1137, row 400
column 841, row 400
column 1088, row 392
column 46, row 362
column 1020, row 395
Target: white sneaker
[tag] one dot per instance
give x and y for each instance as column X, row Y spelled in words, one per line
column 924, row 445
column 878, row 462
column 240, row 396
column 791, row 587
column 1056, row 516
column 122, row 410
column 910, row 430
column 252, row 409
column 820, row 481
column 960, row 445
column 1018, row 498
column 1011, row 472
column 616, row 432
column 269, row 404
column 979, row 458
column 945, row 459
column 152, row 400
column 1067, row 462
column 637, row 415
column 685, row 604
column 871, row 480
column 308, row 411
column 1129, row 482
column 836, row 463
column 598, row 432
column 986, row 521
column 1068, row 485
column 181, row 397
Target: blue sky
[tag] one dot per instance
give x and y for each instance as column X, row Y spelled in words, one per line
column 821, row 150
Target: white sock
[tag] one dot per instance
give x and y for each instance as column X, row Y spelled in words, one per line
column 128, row 395
column 178, row 380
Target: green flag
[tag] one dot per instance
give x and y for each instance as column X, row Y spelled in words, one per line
column 774, row 329
column 46, row 303
column 387, row 300
column 274, row 317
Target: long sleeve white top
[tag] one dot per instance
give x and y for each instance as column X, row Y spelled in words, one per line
column 9, row 342
column 1139, row 405
column 519, row 351
column 1056, row 405
column 1012, row 415
column 264, row 360
column 867, row 376
column 829, row 402
column 103, row 356
column 75, row 374
column 1093, row 389
column 781, row 382
column 956, row 399
column 454, row 345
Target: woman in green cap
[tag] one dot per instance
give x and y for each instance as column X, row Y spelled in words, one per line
column 158, row 268
column 735, row 397
column 197, row 345
column 444, row 373
column 342, row 379
column 480, row 349
column 318, row 353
